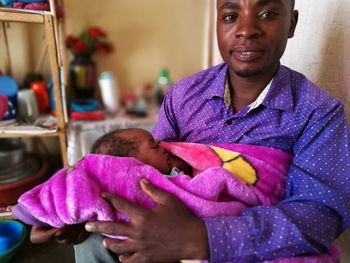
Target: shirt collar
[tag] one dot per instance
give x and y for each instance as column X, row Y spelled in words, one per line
column 277, row 94
column 216, row 87
column 280, row 94
column 254, row 104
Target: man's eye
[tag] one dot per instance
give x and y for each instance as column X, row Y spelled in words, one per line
column 230, row 18
column 268, row 14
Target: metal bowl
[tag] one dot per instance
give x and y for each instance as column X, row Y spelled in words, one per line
column 19, row 171
column 9, row 192
column 12, row 152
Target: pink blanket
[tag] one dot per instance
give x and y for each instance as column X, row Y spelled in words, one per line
column 228, row 178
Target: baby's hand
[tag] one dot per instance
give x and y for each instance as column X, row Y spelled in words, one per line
column 40, row 235
column 70, row 234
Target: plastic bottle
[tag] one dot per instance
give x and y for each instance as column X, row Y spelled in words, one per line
column 109, row 92
column 162, row 86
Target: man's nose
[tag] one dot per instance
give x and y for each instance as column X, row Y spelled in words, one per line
column 248, row 27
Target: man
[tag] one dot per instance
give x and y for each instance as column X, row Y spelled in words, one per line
column 250, row 99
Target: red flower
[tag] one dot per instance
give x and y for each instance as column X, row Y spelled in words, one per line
column 104, row 47
column 70, row 41
column 80, row 47
column 96, row 32
column 91, row 40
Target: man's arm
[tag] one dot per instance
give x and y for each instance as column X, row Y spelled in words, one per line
column 316, row 208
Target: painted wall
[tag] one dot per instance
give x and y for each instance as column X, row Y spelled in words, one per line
column 19, row 46
column 320, row 48
column 148, row 35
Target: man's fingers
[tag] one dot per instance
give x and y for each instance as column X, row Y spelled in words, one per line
column 129, row 258
column 120, row 247
column 108, row 228
column 123, row 205
column 156, row 194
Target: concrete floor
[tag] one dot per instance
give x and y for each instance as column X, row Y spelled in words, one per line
column 56, row 253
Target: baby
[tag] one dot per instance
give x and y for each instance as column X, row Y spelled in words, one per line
column 140, row 144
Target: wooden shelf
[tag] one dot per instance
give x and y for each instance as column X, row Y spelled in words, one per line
column 23, row 16
column 28, row 135
column 54, row 42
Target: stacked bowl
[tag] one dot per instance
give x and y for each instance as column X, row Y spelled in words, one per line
column 19, row 171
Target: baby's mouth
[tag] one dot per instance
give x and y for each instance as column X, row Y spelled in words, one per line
column 169, row 162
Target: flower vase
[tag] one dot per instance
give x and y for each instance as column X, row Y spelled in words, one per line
column 82, row 76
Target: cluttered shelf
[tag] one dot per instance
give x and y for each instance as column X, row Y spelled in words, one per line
column 21, row 116
column 44, row 126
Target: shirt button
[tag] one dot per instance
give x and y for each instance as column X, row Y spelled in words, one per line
column 229, row 122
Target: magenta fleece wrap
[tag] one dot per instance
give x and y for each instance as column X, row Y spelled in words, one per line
column 72, row 195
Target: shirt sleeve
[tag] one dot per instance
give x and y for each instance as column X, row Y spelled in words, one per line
column 316, row 207
column 166, row 128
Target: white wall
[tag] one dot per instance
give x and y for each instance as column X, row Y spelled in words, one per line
column 321, row 46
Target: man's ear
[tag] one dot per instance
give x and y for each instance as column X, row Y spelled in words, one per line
column 294, row 22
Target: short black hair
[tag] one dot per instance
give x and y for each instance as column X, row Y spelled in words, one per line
column 114, row 144
column 292, row 2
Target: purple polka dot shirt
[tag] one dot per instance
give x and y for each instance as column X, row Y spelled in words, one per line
column 295, row 116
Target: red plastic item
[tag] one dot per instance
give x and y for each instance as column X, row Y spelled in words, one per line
column 3, row 105
column 91, row 115
column 41, row 94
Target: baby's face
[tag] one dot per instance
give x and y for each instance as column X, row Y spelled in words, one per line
column 150, row 153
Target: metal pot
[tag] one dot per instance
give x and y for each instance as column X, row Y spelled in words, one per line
column 12, row 152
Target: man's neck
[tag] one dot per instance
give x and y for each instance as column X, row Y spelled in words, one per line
column 244, row 91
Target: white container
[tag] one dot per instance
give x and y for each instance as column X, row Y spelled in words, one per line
column 109, row 92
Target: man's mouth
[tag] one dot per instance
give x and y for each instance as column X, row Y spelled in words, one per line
column 247, row 55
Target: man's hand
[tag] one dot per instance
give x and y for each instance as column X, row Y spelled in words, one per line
column 166, row 233
column 70, row 234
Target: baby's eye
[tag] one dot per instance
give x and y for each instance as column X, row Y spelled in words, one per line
column 156, row 144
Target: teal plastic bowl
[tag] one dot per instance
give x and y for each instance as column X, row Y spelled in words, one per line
column 12, row 235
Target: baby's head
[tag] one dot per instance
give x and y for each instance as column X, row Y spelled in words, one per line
column 137, row 143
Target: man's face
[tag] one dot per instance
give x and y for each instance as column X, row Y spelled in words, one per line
column 149, row 151
column 252, row 34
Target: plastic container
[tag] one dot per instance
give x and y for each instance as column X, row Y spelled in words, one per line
column 9, row 88
column 42, row 95
column 162, row 86
column 12, row 235
column 109, row 92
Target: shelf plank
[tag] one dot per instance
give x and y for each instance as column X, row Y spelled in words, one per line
column 28, row 135
column 17, row 15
